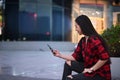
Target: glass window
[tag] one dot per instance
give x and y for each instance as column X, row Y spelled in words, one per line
column 27, row 20
column 57, row 24
column 34, row 19
column 67, row 24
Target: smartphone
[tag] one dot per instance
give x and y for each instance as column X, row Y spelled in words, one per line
column 50, row 48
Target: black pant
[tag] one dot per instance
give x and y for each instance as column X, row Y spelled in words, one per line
column 77, row 67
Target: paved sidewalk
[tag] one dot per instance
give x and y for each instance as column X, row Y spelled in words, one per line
column 9, row 77
column 38, row 65
column 35, row 64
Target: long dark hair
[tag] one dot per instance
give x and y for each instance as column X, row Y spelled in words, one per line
column 87, row 29
column 86, row 26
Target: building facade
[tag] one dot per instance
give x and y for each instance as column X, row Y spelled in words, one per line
column 52, row 20
column 37, row 20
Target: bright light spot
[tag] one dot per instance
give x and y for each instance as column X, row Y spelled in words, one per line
column 81, row 11
column 93, row 13
column 97, row 12
column 24, row 38
column 35, row 15
column 47, row 33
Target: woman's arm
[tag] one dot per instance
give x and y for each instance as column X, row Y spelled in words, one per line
column 101, row 52
column 63, row 56
column 99, row 64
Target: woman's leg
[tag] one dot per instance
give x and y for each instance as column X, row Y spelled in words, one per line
column 98, row 77
column 77, row 66
column 70, row 66
column 81, row 76
column 67, row 71
column 67, row 78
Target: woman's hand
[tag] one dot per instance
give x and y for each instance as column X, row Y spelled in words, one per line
column 87, row 70
column 56, row 53
column 63, row 56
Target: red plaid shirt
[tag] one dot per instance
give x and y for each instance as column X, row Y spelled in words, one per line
column 92, row 52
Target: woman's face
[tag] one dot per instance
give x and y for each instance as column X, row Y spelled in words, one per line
column 78, row 29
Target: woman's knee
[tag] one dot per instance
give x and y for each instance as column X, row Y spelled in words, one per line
column 68, row 78
column 68, row 63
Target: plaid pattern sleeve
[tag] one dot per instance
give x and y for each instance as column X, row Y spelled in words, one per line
column 99, row 48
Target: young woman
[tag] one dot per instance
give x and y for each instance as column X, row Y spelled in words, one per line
column 91, row 58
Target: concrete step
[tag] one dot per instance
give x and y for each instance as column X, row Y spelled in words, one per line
column 36, row 45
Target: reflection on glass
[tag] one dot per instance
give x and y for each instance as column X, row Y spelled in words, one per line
column 57, row 24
